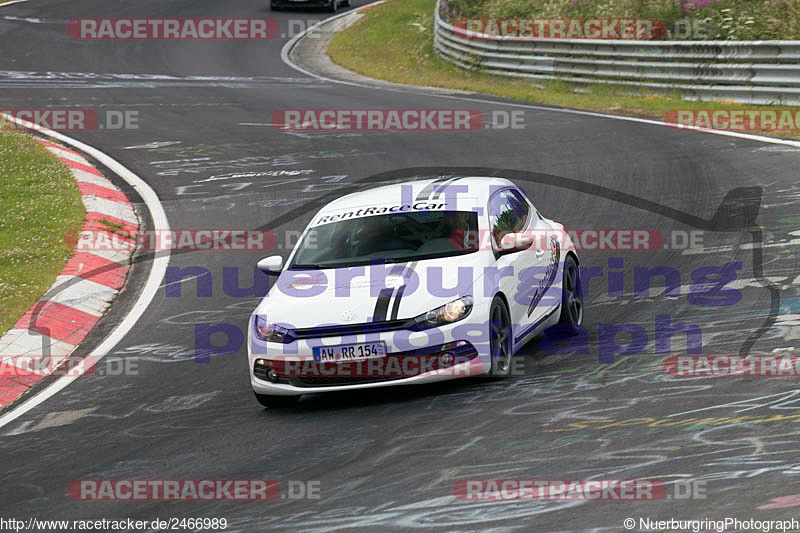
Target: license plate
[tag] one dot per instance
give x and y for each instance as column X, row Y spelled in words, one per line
column 349, row 352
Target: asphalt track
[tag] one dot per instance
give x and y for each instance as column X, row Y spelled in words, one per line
column 389, row 458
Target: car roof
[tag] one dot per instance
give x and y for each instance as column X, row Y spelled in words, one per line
column 476, row 187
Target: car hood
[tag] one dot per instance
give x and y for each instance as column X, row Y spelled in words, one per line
column 311, row 298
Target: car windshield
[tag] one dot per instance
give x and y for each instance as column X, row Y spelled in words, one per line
column 392, row 238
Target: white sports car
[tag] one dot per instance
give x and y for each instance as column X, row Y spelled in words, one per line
column 411, row 283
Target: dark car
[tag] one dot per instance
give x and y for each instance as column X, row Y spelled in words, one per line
column 329, row 5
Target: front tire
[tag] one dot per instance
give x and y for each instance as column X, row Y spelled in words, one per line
column 276, row 401
column 571, row 296
column 500, row 338
column 334, row 6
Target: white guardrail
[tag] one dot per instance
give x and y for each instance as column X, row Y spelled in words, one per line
column 756, row 72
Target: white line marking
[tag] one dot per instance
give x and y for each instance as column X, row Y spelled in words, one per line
column 157, row 272
column 12, row 3
column 287, row 48
column 183, row 279
column 24, row 19
column 152, row 145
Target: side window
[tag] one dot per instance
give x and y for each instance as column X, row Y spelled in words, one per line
column 520, row 206
column 535, row 214
column 508, row 213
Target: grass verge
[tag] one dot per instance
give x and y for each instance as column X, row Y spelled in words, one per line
column 394, row 42
column 39, row 205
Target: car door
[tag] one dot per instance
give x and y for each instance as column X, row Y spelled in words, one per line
column 547, row 293
column 518, row 271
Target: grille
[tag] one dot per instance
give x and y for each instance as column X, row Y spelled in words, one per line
column 260, row 371
column 333, row 381
column 351, row 329
column 461, row 353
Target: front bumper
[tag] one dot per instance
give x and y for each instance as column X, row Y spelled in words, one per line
column 465, row 343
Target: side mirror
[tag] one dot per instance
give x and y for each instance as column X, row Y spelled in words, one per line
column 514, row 242
column 272, row 265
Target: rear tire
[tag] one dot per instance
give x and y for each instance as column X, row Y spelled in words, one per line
column 500, row 338
column 268, row 400
column 571, row 297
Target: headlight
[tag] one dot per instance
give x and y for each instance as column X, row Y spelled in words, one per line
column 446, row 314
column 270, row 332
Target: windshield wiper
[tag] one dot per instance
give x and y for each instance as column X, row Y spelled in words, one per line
column 309, row 266
column 312, row 266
